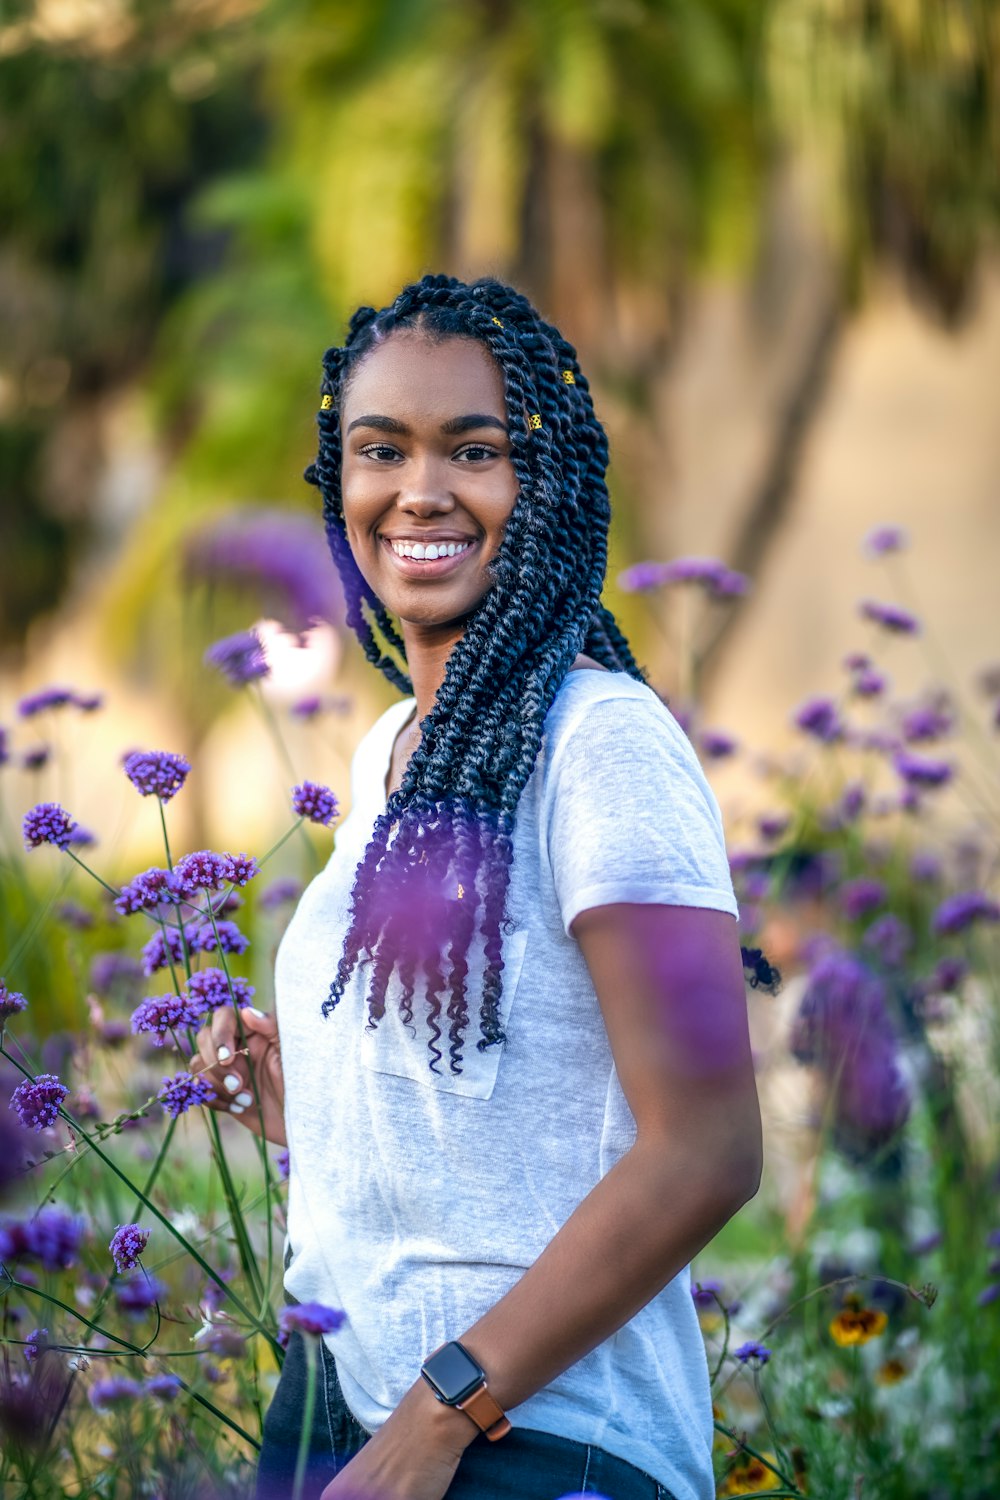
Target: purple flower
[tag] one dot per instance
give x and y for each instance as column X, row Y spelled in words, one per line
column 116, row 1390
column 51, row 1237
column 927, row 1243
column 146, row 892
column 869, row 683
column 919, row 771
column 82, row 838
column 819, row 717
column 861, row 896
column 240, row 658
column 890, row 617
column 241, row 868
column 37, row 758
column 163, row 950
column 717, row 745
column 315, row 802
column 642, row 578
column 885, row 539
column 283, row 1162
column 210, row 988
column 88, row 703
column 962, row 910
column 307, row 708
column 38, row 703
column 889, row 939
column 183, row 1092
column 928, row 721
column 11, row 1003
column 225, row 936
column 925, row 866
column 4, row 746
column 201, row 871
column 164, row 1387
column 36, row 1101
column 752, row 1353
column 156, row 773
column 74, row 915
column 773, row 826
column 707, row 1292
column 948, row 975
column 224, row 1341
column 162, row 1014
column 993, row 1240
column 111, row 971
column 278, row 893
column 48, row 823
column 989, row 1294
column 282, row 553
column 36, row 1342
column 310, row 1318
column 127, row 1244
column 711, row 574
column 137, row 1294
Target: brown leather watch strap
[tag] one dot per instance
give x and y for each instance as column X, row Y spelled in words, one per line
column 487, row 1415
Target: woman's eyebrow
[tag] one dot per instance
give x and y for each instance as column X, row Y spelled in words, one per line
column 451, row 428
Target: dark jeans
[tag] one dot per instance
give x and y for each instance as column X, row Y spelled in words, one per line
column 524, row 1465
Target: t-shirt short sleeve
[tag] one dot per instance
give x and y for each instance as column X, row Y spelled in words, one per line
column 629, row 815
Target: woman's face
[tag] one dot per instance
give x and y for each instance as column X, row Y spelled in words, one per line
column 427, row 481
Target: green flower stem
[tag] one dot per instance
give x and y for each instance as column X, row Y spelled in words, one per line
column 171, row 1229
column 274, row 729
column 312, row 1347
column 166, row 836
column 283, row 840
column 789, row 1485
column 92, row 873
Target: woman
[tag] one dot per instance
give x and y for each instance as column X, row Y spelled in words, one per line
column 514, row 1066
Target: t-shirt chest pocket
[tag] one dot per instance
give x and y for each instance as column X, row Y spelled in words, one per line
column 394, row 1049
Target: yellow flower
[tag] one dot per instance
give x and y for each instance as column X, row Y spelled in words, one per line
column 749, row 1476
column 856, row 1325
column 892, row 1372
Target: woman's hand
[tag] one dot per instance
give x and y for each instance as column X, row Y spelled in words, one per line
column 413, row 1456
column 240, row 1056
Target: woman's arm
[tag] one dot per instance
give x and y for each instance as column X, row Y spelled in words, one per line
column 670, row 985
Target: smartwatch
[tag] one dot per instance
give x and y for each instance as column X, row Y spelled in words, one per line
column 459, row 1380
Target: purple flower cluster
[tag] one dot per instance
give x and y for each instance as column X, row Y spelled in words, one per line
column 51, row 1237
column 311, row 1318
column 819, row 717
column 36, row 1101
column 315, row 802
column 281, row 553
column 279, row 893
column 137, row 1294
column 960, row 911
column 224, row 936
column 163, row 950
column 919, row 771
column 48, row 823
column 164, row 1387
column 885, row 539
column 240, row 658
column 127, row 1244
column 4, row 746
column 183, row 1092
column 242, row 869
column 110, row 971
column 200, row 871
column 719, row 581
column 37, row 758
column 154, row 887
column 861, row 896
column 57, row 697
column 210, row 988
column 752, row 1353
column 889, row 939
column 889, row 617
column 927, row 721
column 161, row 1015
column 717, row 745
column 156, row 773
column 11, row 1003
column 843, row 1027
column 116, row 1390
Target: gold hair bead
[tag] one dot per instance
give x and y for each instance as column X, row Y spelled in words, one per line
column 569, row 377
column 535, row 421
column 497, row 322
column 326, row 402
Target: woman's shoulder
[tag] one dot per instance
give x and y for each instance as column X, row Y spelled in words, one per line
column 591, row 696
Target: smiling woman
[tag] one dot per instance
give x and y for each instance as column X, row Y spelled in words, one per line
column 504, row 1210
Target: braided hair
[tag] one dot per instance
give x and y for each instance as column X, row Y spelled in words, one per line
column 436, row 873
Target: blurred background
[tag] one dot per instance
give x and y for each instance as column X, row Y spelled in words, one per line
column 768, row 225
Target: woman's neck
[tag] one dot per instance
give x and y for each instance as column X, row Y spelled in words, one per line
column 427, row 653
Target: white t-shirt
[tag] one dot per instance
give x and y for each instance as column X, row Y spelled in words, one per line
column 417, row 1201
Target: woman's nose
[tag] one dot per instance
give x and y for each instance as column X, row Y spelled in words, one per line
column 426, row 490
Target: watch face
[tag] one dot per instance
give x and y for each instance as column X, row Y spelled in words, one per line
column 453, row 1374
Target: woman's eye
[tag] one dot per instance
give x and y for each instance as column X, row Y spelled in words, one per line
column 382, row 452
column 477, row 453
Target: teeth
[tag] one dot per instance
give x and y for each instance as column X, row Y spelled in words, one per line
column 430, row 551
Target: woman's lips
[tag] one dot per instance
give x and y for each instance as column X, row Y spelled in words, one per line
column 426, row 567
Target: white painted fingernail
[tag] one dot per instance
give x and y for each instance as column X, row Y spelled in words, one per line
column 236, row 1109
column 223, row 1054
column 254, row 1011
column 244, row 1098
column 232, row 1082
